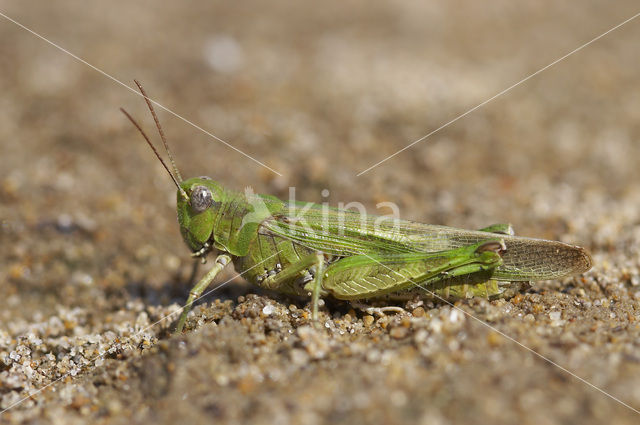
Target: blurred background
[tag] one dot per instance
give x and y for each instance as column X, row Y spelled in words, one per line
column 319, row 93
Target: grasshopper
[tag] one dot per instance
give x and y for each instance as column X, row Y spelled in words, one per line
column 324, row 251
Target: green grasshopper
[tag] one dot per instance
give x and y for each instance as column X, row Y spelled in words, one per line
column 313, row 250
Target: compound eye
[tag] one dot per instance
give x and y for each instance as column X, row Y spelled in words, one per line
column 201, row 198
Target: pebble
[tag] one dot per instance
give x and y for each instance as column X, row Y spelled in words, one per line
column 268, row 310
column 418, row 312
column 367, row 320
column 398, row 332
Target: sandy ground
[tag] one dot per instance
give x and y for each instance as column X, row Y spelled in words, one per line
column 91, row 259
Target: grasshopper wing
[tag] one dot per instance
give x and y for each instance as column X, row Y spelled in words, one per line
column 345, row 233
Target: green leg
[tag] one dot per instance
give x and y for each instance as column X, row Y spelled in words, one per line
column 317, row 286
column 369, row 276
column 292, row 271
column 500, row 228
column 221, row 261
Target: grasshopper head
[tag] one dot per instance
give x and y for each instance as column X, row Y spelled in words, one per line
column 198, row 201
column 198, row 198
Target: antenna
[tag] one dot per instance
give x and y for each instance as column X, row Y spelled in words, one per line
column 184, row 194
column 164, row 139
